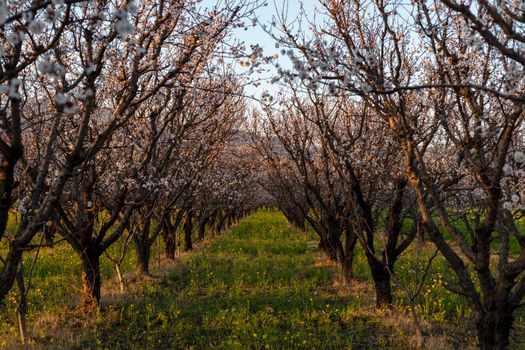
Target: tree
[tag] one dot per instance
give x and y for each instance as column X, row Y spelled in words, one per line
column 462, row 87
column 351, row 179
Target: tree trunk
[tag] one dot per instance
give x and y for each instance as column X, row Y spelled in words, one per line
column 6, row 190
column 229, row 220
column 22, row 307
column 143, row 250
column 9, row 270
column 119, row 277
column 220, row 224
column 299, row 224
column 493, row 329
column 10, row 266
column 211, row 225
column 341, row 259
column 293, row 219
column 90, row 279
column 170, row 245
column 169, row 233
column 328, row 248
column 202, row 228
column 323, row 246
column 382, row 284
column 348, row 263
column 188, row 227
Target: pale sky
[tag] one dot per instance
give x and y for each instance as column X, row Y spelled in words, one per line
column 257, row 35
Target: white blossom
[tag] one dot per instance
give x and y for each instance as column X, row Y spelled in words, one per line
column 70, row 108
column 90, row 68
column 58, row 70
column 61, row 99
column 15, row 38
column 132, row 8
column 519, row 157
column 508, row 169
column 123, row 27
column 13, row 88
column 507, row 206
column 35, row 27
column 45, row 66
column 4, row 12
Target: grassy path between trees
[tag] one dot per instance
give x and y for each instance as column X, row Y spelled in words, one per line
column 262, row 285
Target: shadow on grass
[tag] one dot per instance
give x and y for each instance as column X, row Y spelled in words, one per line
column 257, row 287
column 274, row 317
column 254, row 288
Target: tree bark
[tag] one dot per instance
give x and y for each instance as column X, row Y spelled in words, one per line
column 202, row 228
column 119, row 277
column 299, row 224
column 22, row 307
column 328, row 248
column 230, row 220
column 143, row 250
column 170, row 246
column 169, row 234
column 348, row 262
column 90, row 279
column 7, row 167
column 188, row 228
column 493, row 329
column 212, row 220
column 8, row 273
column 220, row 224
column 382, row 284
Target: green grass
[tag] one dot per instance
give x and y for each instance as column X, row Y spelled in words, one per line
column 56, row 283
column 262, row 285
